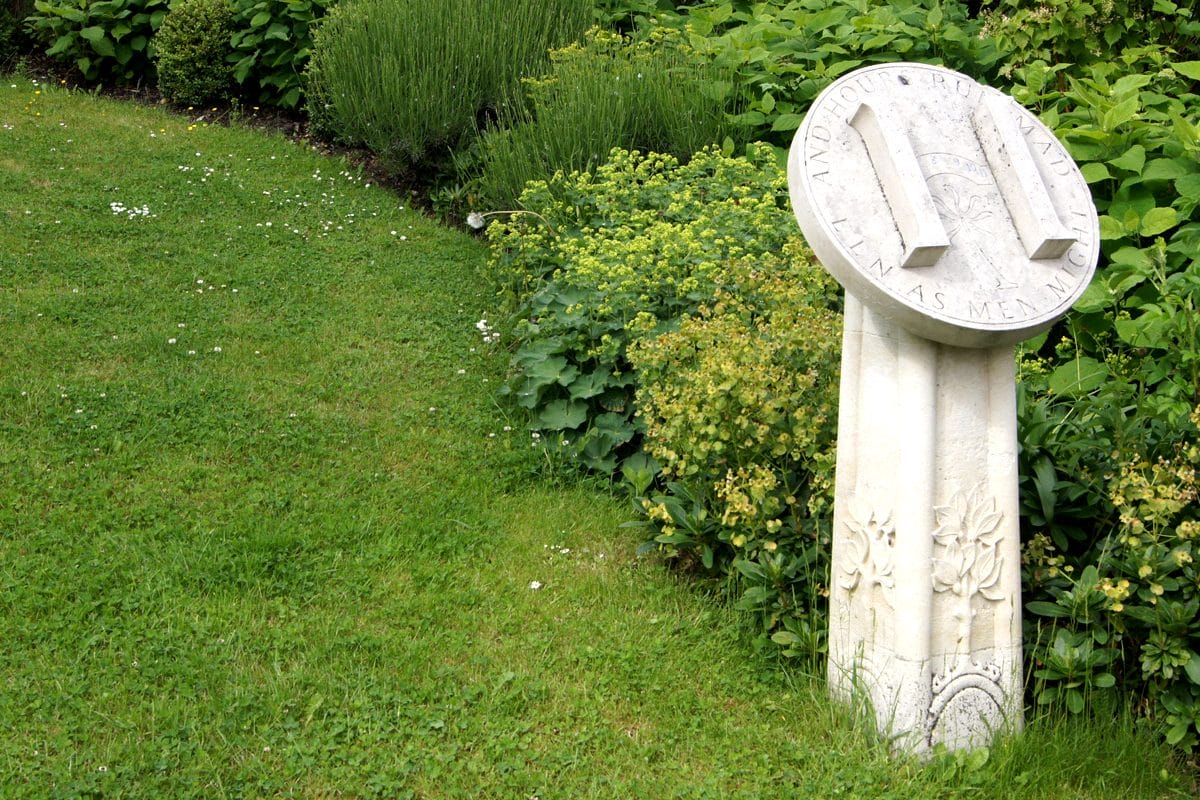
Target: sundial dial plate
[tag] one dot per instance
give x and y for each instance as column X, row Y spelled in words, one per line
column 943, row 204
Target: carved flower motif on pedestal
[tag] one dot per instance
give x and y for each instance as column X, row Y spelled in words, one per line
column 967, row 535
column 870, row 541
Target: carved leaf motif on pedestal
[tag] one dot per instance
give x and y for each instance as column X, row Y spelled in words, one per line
column 870, row 544
column 968, row 535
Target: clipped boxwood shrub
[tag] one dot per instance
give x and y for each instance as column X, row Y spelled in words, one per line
column 107, row 41
column 192, row 49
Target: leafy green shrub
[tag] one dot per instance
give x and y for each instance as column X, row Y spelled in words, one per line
column 1109, row 415
column 192, row 47
column 783, row 54
column 412, row 80
column 12, row 37
column 1071, row 32
column 627, row 251
column 272, row 43
column 108, row 41
column 608, row 91
column 740, row 408
column 628, row 15
column 9, row 30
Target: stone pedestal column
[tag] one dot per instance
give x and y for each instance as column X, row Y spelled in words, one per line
column 959, row 226
column 925, row 588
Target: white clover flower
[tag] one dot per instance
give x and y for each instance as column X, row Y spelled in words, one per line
column 535, row 585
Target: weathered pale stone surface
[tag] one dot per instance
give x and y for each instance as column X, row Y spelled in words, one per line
column 943, row 205
column 925, row 590
column 958, row 226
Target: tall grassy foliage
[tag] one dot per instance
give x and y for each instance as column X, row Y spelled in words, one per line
column 412, row 79
column 604, row 92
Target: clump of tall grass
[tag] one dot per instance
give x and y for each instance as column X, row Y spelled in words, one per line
column 606, row 91
column 412, row 79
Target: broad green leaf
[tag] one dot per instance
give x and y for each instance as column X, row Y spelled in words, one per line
column 1093, row 172
column 1078, row 376
column 977, row 759
column 1046, row 609
column 61, row 45
column 1148, row 329
column 242, row 70
column 1190, row 69
column 785, row 638
column 1045, row 481
column 1119, row 114
column 260, row 19
column 1130, row 83
column 1096, row 297
column 104, row 47
column 787, row 122
column 1178, row 731
column 1157, row 220
column 1111, row 228
column 1188, row 186
column 1192, row 668
column 1132, row 159
column 93, row 33
column 1132, row 256
column 561, row 415
column 1168, row 169
column 554, row 369
column 277, row 31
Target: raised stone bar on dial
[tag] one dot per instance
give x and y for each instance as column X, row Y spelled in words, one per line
column 908, row 197
column 1021, row 185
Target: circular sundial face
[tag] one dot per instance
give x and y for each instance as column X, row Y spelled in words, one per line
column 943, row 205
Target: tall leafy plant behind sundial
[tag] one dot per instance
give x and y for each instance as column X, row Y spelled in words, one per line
column 958, row 226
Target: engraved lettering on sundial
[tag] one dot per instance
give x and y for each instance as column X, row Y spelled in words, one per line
column 942, row 201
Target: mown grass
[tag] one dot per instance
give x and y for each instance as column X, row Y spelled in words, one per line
column 264, row 533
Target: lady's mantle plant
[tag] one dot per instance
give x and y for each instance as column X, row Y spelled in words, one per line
column 637, row 245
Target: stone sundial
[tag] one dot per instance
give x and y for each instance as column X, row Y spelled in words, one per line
column 959, row 226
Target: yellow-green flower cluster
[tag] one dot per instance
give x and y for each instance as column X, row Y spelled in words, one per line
column 741, row 399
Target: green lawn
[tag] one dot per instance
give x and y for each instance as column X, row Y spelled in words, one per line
column 264, row 531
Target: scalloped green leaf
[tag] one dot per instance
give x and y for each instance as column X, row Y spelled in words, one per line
column 561, row 415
